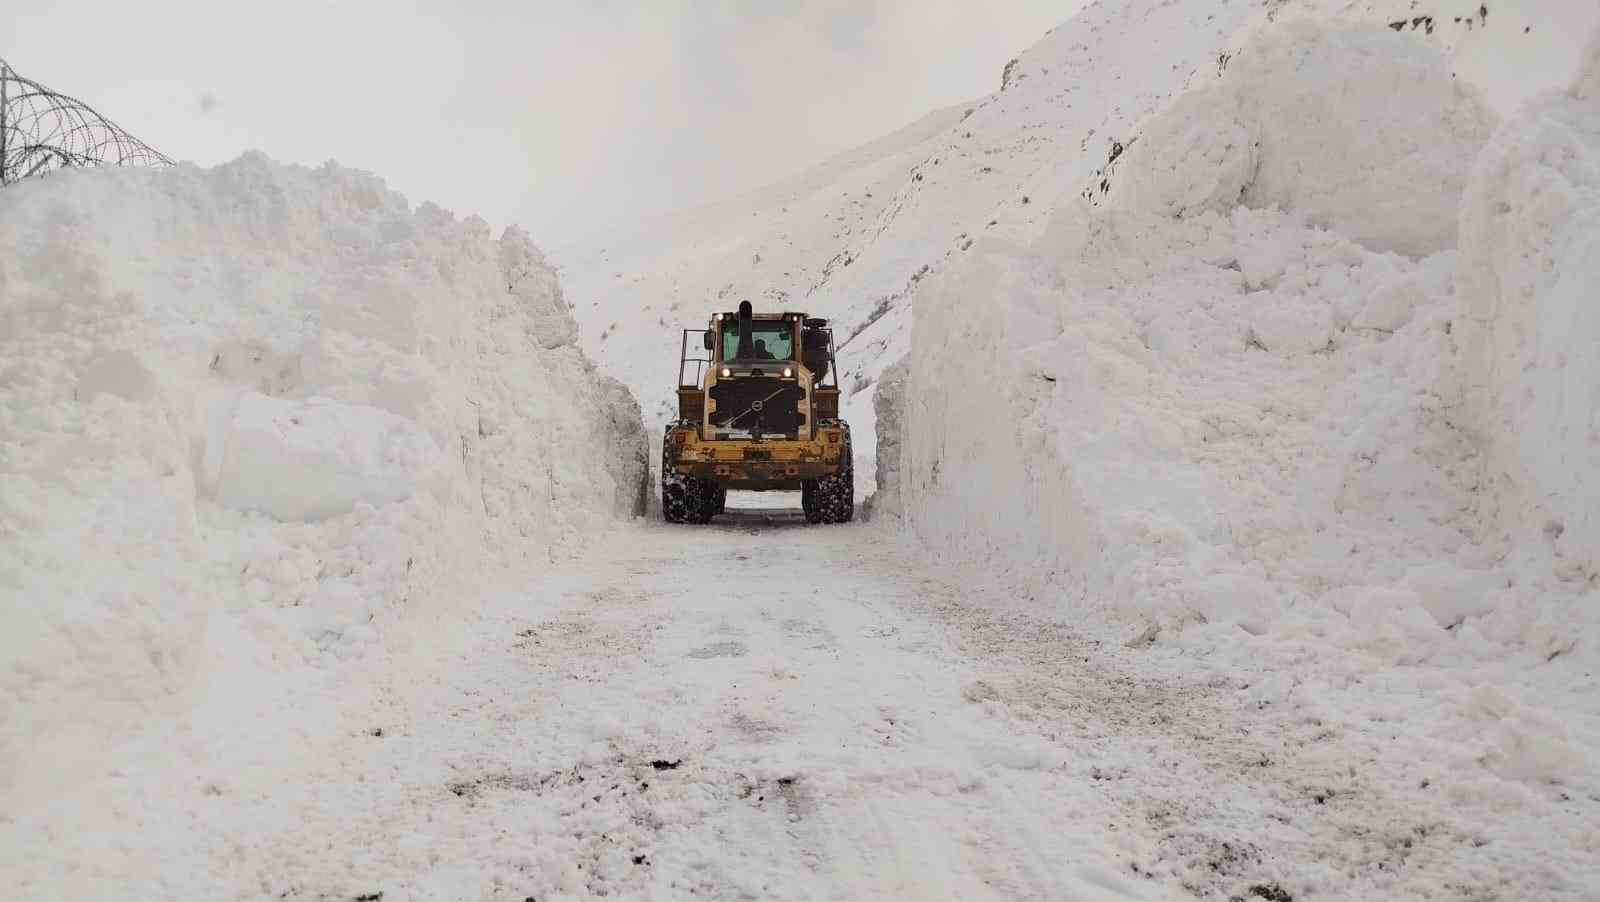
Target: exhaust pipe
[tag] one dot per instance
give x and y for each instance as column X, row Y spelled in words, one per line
column 746, row 349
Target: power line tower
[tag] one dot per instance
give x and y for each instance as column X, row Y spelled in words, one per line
column 41, row 131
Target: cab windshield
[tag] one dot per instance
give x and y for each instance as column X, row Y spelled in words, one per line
column 768, row 341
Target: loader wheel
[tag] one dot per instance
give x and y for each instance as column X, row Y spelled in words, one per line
column 684, row 499
column 719, row 499
column 677, row 498
column 832, row 499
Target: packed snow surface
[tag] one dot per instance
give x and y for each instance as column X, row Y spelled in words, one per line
column 610, row 729
column 251, row 416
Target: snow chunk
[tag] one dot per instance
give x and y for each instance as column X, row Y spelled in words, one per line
column 533, row 283
column 1352, row 127
column 1198, row 156
column 1450, row 593
column 1390, row 305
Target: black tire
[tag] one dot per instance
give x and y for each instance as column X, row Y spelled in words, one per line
column 719, row 499
column 832, row 499
column 677, row 498
column 705, row 502
column 684, row 499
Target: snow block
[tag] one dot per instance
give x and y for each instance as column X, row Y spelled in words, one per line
column 1354, row 128
column 311, row 460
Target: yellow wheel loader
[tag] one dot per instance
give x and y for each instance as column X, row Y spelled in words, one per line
column 757, row 412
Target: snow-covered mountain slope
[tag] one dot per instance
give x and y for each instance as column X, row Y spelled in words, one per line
column 252, row 416
column 857, row 237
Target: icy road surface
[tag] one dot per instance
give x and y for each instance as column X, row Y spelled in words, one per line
column 758, row 709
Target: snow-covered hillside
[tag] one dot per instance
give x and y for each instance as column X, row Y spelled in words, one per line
column 250, row 418
column 858, row 237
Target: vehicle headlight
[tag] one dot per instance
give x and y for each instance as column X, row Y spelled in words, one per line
column 788, row 372
column 725, row 373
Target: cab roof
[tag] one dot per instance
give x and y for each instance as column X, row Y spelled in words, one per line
column 786, row 314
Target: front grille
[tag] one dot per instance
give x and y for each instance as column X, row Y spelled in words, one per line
column 779, row 402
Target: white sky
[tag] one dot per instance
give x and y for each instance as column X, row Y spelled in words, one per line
column 561, row 116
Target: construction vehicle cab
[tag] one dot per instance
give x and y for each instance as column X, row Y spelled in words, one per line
column 758, row 410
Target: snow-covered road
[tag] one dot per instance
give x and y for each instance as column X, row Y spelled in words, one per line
column 759, row 709
column 753, row 710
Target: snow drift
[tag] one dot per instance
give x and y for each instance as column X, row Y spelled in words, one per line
column 250, row 414
column 1311, row 363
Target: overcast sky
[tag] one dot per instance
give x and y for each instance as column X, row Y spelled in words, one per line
column 562, row 116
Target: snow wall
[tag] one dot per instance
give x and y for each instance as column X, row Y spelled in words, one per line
column 1319, row 358
column 249, row 416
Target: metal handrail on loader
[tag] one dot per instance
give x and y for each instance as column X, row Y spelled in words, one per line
column 684, row 359
column 833, row 362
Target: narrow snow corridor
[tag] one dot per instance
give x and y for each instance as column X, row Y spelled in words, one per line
column 758, row 709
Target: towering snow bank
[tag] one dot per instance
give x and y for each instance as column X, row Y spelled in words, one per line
column 1222, row 418
column 248, row 414
column 888, row 406
column 1530, row 267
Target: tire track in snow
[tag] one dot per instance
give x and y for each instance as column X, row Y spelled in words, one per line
column 1239, row 799
column 739, row 711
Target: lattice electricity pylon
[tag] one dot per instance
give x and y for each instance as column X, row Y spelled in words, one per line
column 41, row 131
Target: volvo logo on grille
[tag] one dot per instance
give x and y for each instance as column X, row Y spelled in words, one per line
column 766, row 406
